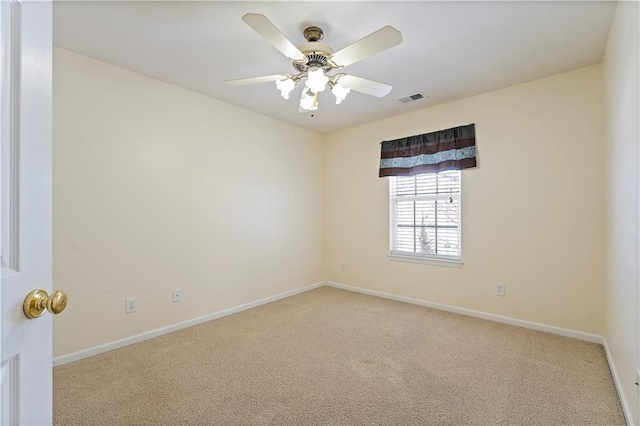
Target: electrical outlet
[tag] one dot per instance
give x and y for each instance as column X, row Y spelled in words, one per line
column 131, row 305
column 177, row 296
column 500, row 290
column 343, row 267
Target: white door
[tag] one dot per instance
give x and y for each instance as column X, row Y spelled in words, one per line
column 25, row 195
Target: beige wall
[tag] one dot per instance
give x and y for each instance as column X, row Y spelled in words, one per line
column 622, row 187
column 532, row 212
column 158, row 188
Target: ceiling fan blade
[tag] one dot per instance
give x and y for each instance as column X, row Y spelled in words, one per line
column 263, row 26
column 363, row 85
column 383, row 39
column 254, row 80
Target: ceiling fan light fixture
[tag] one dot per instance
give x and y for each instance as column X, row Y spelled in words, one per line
column 340, row 92
column 285, row 86
column 316, row 80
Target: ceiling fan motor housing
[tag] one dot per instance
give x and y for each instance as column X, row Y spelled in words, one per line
column 317, row 56
column 317, row 53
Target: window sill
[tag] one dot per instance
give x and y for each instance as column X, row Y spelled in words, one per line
column 425, row 260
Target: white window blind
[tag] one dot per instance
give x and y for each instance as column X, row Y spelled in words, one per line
column 425, row 215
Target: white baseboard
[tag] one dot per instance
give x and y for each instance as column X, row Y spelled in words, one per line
column 85, row 353
column 477, row 314
column 618, row 383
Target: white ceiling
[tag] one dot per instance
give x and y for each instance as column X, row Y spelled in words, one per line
column 451, row 50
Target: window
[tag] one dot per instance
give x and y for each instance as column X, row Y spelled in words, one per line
column 425, row 216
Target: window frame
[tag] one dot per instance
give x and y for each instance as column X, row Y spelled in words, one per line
column 412, row 257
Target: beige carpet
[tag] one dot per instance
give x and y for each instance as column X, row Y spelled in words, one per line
column 333, row 357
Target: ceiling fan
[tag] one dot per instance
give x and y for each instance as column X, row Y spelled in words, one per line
column 314, row 60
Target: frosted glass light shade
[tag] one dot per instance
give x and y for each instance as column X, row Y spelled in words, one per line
column 285, row 87
column 340, row 92
column 307, row 102
column 316, row 80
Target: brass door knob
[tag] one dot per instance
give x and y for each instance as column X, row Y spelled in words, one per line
column 38, row 301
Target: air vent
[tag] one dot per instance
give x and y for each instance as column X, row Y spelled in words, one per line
column 411, row 98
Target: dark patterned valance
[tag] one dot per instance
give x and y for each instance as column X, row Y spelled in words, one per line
column 450, row 149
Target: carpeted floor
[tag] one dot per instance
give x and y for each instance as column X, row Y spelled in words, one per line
column 333, row 357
